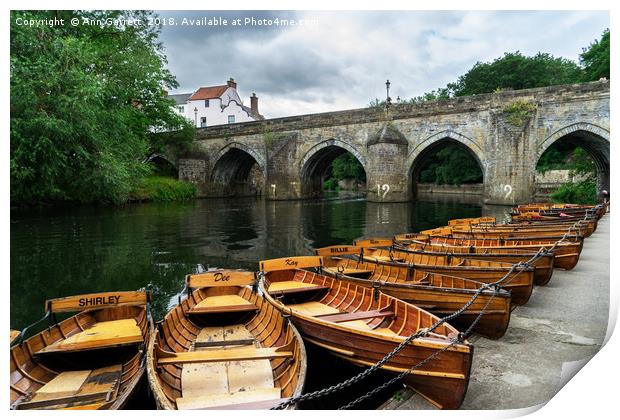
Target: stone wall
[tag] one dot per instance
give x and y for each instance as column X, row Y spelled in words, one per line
column 291, row 151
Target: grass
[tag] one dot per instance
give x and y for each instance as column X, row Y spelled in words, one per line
column 583, row 192
column 162, row 189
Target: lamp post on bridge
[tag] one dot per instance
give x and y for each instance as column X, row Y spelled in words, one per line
column 195, row 117
column 388, row 100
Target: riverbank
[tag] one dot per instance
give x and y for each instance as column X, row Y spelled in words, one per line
column 555, row 333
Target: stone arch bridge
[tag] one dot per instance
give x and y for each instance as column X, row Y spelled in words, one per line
column 290, row 156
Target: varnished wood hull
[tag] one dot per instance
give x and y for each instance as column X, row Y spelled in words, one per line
column 30, row 372
column 443, row 379
column 543, row 266
column 179, row 331
column 520, row 282
column 439, row 294
column 566, row 254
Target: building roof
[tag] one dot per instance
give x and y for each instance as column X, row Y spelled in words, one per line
column 180, row 98
column 209, row 92
column 251, row 113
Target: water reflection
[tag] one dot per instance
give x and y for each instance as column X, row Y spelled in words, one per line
column 89, row 249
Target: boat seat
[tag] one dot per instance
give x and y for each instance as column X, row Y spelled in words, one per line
column 224, row 355
column 228, row 399
column 76, row 389
column 384, row 258
column 121, row 332
column 361, row 273
column 224, row 336
column 221, row 304
column 314, row 308
column 291, row 287
column 354, row 316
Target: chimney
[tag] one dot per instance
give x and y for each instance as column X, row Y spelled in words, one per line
column 231, row 83
column 254, row 103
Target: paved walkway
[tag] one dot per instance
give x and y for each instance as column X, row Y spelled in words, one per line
column 564, row 322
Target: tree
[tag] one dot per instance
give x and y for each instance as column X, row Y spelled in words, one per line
column 346, row 166
column 85, row 101
column 595, row 59
column 516, row 71
column 452, row 165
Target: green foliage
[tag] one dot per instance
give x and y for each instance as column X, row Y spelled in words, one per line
column 84, row 103
column 159, row 188
column 347, row 166
column 376, row 103
column 452, row 165
column 331, row 185
column 516, row 71
column 270, row 140
column 582, row 164
column 433, row 95
column 564, row 155
column 595, row 59
column 519, row 112
column 583, row 192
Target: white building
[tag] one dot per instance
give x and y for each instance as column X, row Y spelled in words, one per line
column 216, row 105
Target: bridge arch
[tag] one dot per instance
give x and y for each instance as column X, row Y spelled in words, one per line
column 238, row 171
column 316, row 162
column 432, row 144
column 163, row 164
column 594, row 139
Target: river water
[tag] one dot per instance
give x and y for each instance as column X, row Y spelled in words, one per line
column 74, row 250
column 65, row 251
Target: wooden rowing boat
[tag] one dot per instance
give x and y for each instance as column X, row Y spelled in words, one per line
column 566, row 252
column 224, row 347
column 92, row 360
column 520, row 282
column 439, row 294
column 543, row 264
column 362, row 326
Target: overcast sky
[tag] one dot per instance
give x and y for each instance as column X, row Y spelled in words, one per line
column 341, row 60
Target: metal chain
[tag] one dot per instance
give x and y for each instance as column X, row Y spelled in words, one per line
column 344, row 384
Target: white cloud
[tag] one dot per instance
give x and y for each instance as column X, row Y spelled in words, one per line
column 344, row 60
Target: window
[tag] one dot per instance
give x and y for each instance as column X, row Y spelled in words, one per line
column 203, row 121
column 206, row 103
column 181, row 108
column 231, row 119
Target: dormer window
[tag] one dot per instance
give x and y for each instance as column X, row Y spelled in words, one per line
column 231, row 119
column 206, row 103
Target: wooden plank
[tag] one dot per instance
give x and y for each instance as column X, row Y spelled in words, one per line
column 383, row 258
column 256, row 405
column 354, row 316
column 351, row 272
column 73, row 399
column 96, row 300
column 215, row 400
column 14, row 334
column 223, row 303
column 67, row 383
column 221, row 278
column 233, row 333
column 209, row 335
column 278, row 286
column 313, row 308
column 373, row 242
column 106, row 379
column 197, row 379
column 290, row 263
column 107, row 333
column 338, row 250
column 225, row 355
column 248, row 375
